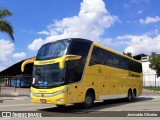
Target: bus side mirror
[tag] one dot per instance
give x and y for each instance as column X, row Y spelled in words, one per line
column 26, row 62
column 66, row 58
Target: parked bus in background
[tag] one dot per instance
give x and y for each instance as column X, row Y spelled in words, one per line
column 21, row 81
column 75, row 70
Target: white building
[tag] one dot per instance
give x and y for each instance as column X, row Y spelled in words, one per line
column 149, row 75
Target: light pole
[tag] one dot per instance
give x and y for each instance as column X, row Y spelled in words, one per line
column 155, row 79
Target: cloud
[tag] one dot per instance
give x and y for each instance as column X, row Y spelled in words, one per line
column 138, row 1
column 90, row 23
column 141, row 44
column 7, row 55
column 20, row 55
column 6, row 50
column 140, row 11
column 36, row 44
column 149, row 20
column 154, row 32
column 43, row 32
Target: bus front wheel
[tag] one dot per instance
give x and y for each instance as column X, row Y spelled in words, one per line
column 60, row 106
column 89, row 100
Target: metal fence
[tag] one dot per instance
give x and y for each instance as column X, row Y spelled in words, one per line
column 151, row 80
column 9, row 86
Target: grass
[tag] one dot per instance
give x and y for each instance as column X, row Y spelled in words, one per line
column 153, row 88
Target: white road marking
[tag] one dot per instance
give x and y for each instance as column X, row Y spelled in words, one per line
column 38, row 107
column 30, row 106
column 9, row 105
column 5, row 118
column 20, row 99
column 149, row 96
column 118, row 110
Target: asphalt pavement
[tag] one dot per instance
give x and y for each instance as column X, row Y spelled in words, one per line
column 148, row 103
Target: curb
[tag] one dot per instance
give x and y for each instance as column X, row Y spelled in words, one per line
column 153, row 91
column 14, row 98
column 14, row 94
column 7, row 98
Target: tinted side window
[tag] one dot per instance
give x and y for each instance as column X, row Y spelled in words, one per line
column 109, row 59
column 97, row 55
column 134, row 66
column 75, row 67
column 104, row 57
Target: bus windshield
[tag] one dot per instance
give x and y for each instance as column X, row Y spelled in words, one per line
column 53, row 50
column 48, row 76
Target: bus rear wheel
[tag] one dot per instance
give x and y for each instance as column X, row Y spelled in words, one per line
column 129, row 97
column 134, row 95
column 89, row 100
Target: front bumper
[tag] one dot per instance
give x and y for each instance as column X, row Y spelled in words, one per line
column 58, row 99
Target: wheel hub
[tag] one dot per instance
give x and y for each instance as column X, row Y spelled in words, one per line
column 88, row 100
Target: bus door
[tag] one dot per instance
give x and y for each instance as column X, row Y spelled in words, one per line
column 72, row 87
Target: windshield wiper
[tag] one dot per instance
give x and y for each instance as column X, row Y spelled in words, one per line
column 58, row 84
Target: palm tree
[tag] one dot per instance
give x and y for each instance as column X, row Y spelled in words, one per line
column 5, row 26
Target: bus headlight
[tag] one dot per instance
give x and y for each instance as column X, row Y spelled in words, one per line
column 60, row 92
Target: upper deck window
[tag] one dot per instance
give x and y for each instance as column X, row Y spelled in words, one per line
column 108, row 58
column 53, row 50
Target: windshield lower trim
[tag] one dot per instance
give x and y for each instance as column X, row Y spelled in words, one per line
column 48, row 87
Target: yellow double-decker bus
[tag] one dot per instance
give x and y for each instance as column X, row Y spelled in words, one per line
column 75, row 70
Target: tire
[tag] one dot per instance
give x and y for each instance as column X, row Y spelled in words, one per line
column 129, row 97
column 60, row 106
column 89, row 100
column 133, row 96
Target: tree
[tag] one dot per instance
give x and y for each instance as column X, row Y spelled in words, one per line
column 155, row 62
column 153, row 55
column 128, row 54
column 5, row 26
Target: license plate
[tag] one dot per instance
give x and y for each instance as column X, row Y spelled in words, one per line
column 42, row 100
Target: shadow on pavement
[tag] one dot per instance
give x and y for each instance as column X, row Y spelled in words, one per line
column 72, row 110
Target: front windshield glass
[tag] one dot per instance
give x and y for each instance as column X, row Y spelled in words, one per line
column 53, row 50
column 48, row 76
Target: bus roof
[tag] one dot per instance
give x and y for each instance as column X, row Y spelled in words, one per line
column 101, row 46
column 74, row 39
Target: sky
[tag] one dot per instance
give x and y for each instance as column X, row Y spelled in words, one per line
column 123, row 25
